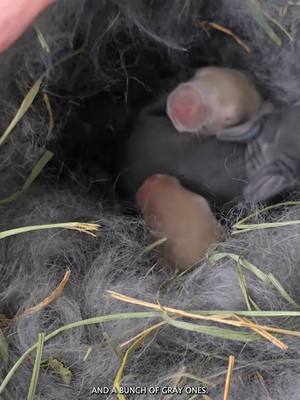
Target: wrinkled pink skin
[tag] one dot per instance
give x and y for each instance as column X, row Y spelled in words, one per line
column 186, row 108
column 16, row 16
column 182, row 217
column 218, row 101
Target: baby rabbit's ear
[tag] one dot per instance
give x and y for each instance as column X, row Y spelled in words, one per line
column 270, row 181
column 240, row 133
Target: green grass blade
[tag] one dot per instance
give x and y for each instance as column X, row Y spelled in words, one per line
column 73, row 325
column 41, row 38
column 228, row 334
column 154, row 245
column 282, row 291
column 202, row 381
column 254, row 313
column 255, row 270
column 3, row 347
column 47, row 156
column 37, row 366
column 25, row 229
column 240, row 223
column 242, row 228
column 87, row 354
column 233, row 335
column 26, row 104
column 260, row 18
column 120, row 373
column 243, row 285
column 244, row 263
column 266, row 278
column 282, row 28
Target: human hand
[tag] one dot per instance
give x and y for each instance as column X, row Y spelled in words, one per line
column 16, row 16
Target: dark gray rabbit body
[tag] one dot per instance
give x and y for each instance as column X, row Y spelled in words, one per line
column 207, row 166
column 224, row 172
column 273, row 158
